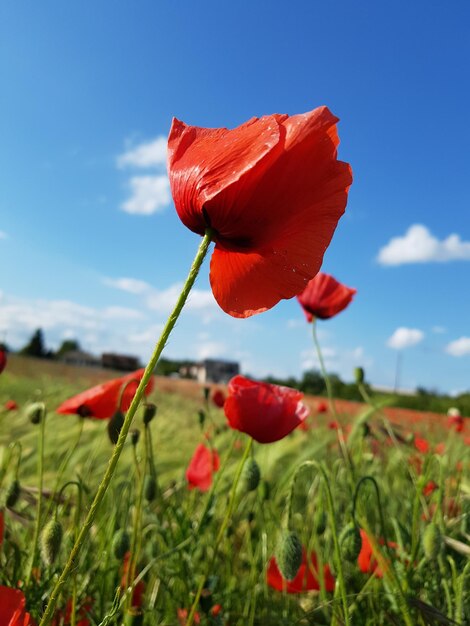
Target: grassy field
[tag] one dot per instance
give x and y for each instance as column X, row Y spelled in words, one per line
column 190, row 544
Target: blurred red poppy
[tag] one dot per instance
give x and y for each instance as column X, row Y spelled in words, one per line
column 218, row 398
column 3, row 360
column 429, row 488
column 456, row 422
column 63, row 618
column 201, row 467
column 440, row 448
column 272, row 191
column 139, row 588
column 422, row 445
column 324, row 297
column 265, row 412
column 102, row 401
column 333, row 425
column 322, row 407
column 10, row 405
column 183, row 617
column 306, row 578
column 366, row 560
column 13, row 608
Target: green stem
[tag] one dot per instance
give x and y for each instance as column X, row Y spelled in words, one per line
column 103, row 487
column 37, row 525
column 331, row 400
column 222, row 530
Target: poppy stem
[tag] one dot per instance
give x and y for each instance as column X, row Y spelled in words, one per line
column 105, row 482
column 329, row 390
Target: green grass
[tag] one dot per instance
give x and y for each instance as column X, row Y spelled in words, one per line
column 179, row 528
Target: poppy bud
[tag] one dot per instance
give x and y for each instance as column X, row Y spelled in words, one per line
column 206, row 391
column 320, row 522
column 51, row 540
column 150, row 410
column 202, row 418
column 135, row 436
column 251, row 475
column 121, row 544
column 350, row 542
column 35, row 412
column 432, row 541
column 289, row 555
column 359, row 375
column 114, row 426
column 12, row 493
column 150, row 487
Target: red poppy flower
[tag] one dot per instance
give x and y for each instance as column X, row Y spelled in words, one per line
column 218, row 398
column 306, row 578
column 429, row 488
column 422, row 445
column 183, row 617
column 272, row 191
column 333, row 425
column 139, row 588
column 102, row 401
column 322, row 407
column 3, row 360
column 265, row 412
column 440, row 448
column 13, row 608
column 366, row 560
column 10, row 405
column 201, row 467
column 456, row 422
column 324, row 297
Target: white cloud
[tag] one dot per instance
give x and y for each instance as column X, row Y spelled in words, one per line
column 341, row 362
column 149, row 194
column 418, row 245
column 131, row 285
column 459, row 347
column 3, row 235
column 211, row 349
column 405, row 338
column 439, row 330
column 149, row 154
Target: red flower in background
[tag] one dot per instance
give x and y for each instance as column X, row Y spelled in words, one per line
column 306, row 578
column 324, row 297
column 3, row 360
column 422, row 445
column 218, row 398
column 366, row 560
column 13, row 608
column 272, row 191
column 201, row 467
column 333, row 425
column 265, row 412
column 440, row 448
column 102, row 401
column 455, row 420
column 322, row 407
column 139, row 588
column 10, row 405
column 429, row 488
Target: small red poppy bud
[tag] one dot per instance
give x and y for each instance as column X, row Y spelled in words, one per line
column 350, row 542
column 150, row 488
column 12, row 493
column 114, row 426
column 35, row 412
column 51, row 540
column 150, row 410
column 289, row 555
column 432, row 541
column 251, row 475
column 121, row 544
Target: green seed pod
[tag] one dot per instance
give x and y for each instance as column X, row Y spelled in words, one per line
column 359, row 375
column 150, row 410
column 51, row 540
column 206, row 391
column 350, row 542
column 319, row 522
column 12, row 493
column 289, row 555
column 150, row 487
column 432, row 541
column 135, row 436
column 121, row 544
column 251, row 475
column 114, row 426
column 35, row 412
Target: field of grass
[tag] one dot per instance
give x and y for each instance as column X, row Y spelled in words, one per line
column 205, row 557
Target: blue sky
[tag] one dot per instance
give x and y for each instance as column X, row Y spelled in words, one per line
column 89, row 91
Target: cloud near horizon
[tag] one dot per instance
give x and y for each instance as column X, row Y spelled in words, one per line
column 459, row 347
column 418, row 245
